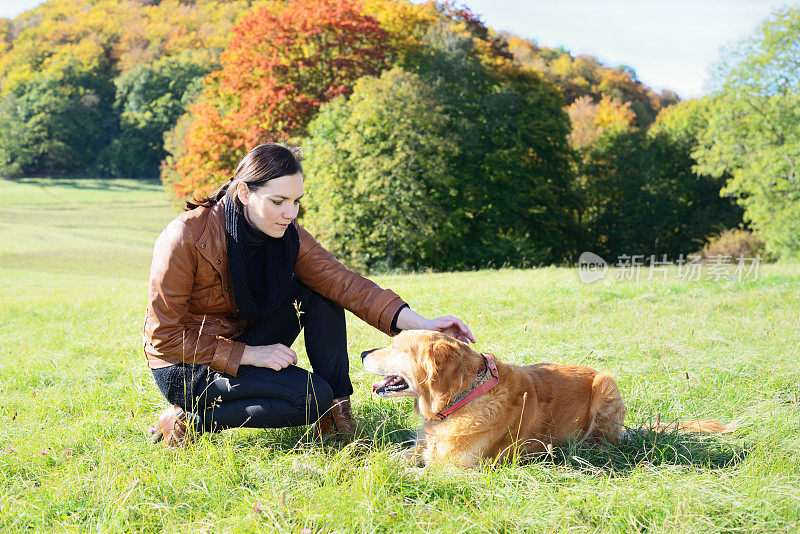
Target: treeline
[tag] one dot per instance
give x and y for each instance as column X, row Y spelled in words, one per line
column 431, row 141
column 91, row 86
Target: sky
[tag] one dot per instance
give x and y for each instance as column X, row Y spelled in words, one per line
column 670, row 43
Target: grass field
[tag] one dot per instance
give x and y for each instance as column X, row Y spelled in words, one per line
column 77, row 398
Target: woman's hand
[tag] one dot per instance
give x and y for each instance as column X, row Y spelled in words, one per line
column 275, row 357
column 450, row 325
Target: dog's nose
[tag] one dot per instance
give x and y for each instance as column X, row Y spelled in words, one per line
column 364, row 354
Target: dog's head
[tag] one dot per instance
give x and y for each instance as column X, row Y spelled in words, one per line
column 430, row 366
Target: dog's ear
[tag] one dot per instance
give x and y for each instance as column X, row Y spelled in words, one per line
column 442, row 351
column 454, row 332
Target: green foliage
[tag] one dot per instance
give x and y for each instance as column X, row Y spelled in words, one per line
column 514, row 201
column 174, row 148
column 463, row 164
column 377, row 166
column 55, row 122
column 16, row 140
column 753, row 132
column 150, row 98
column 684, row 121
column 642, row 197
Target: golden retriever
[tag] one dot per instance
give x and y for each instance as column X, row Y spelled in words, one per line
column 528, row 411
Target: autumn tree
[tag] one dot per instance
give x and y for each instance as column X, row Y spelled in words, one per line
column 580, row 76
column 121, row 33
column 282, row 61
column 591, row 120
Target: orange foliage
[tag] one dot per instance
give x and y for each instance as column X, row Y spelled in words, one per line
column 282, row 62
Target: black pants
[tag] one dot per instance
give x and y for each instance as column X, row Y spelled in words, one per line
column 260, row 397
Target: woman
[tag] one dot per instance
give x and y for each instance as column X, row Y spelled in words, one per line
column 233, row 281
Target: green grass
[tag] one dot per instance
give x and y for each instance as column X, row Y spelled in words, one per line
column 78, row 398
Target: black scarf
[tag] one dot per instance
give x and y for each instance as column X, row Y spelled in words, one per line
column 261, row 266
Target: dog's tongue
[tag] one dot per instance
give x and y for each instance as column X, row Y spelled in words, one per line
column 383, row 383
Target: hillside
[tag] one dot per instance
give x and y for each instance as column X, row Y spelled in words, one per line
column 112, row 77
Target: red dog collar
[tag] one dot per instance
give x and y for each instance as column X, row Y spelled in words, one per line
column 486, row 378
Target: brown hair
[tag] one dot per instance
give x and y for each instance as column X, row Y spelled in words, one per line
column 262, row 164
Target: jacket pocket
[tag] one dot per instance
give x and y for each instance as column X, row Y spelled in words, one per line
column 206, row 276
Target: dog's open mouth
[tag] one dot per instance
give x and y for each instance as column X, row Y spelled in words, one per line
column 389, row 385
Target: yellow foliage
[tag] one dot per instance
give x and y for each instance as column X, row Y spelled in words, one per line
column 122, row 33
column 402, row 20
column 591, row 120
column 612, row 114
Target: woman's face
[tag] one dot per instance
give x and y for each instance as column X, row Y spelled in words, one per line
column 273, row 207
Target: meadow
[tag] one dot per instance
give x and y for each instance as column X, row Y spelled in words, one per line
column 77, row 397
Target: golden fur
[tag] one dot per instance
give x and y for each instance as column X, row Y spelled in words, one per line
column 531, row 409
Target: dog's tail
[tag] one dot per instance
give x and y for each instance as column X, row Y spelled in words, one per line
column 695, row 426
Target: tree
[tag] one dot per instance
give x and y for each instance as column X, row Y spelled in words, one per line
column 583, row 76
column 147, row 49
column 5, row 36
column 173, row 146
column 752, row 129
column 120, row 33
column 465, row 165
column 55, row 122
column 515, row 203
column 642, row 197
column 283, row 61
column 376, row 166
column 684, row 121
column 149, row 100
column 590, row 121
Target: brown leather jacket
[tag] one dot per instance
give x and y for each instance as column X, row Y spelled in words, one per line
column 191, row 312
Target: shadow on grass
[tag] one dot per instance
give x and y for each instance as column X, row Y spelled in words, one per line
column 646, row 447
column 88, row 183
column 378, row 426
column 386, row 425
